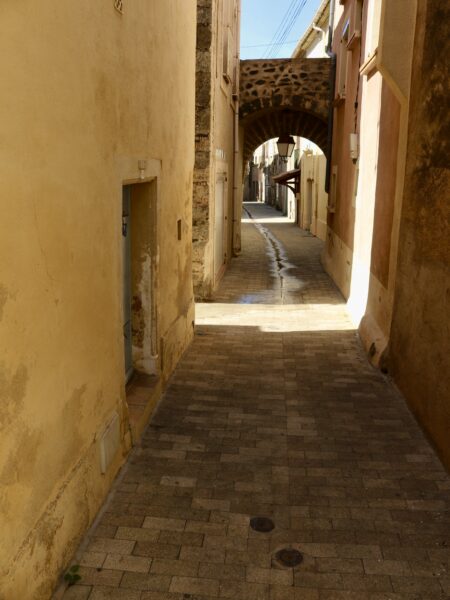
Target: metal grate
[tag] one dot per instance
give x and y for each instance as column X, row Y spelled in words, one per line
column 118, row 5
column 289, row 557
column 262, row 524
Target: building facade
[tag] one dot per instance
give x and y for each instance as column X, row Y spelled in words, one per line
column 376, row 173
column 419, row 358
column 367, row 160
column 97, row 282
column 312, row 197
column 216, row 217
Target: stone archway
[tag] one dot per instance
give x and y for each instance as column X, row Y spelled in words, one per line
column 284, row 96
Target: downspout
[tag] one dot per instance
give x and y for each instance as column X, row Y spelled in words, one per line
column 236, row 245
column 332, row 56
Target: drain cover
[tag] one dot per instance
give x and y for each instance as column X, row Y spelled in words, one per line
column 262, row 524
column 289, row 557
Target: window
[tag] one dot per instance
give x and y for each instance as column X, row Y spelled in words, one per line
column 333, row 190
column 355, row 24
column 373, row 28
column 228, row 40
column 344, row 57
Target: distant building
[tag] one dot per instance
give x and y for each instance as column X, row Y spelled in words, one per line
column 314, row 41
column 312, row 197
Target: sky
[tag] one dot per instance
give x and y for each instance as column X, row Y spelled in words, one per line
column 261, row 19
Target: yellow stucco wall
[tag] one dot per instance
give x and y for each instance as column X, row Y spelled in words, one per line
column 312, row 169
column 87, row 93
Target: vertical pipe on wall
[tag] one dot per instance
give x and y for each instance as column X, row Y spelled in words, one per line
column 332, row 56
column 236, row 203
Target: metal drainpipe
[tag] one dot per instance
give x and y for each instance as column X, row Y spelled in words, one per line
column 236, row 212
column 332, row 56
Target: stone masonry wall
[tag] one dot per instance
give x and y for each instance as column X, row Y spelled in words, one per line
column 284, row 96
column 203, row 148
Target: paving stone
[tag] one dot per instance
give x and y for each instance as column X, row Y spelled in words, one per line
column 111, row 546
column 194, row 585
column 156, row 550
column 105, row 577
column 270, row 576
column 77, row 592
column 163, row 523
column 244, row 591
column 92, row 559
column 144, row 582
column 167, row 566
column 136, row 564
column 137, row 534
column 275, row 411
column 105, row 593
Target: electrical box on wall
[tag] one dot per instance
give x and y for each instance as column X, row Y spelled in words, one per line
column 354, row 147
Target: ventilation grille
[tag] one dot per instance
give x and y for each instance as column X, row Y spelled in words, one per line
column 118, row 5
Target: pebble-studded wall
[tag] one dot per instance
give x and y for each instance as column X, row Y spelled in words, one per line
column 284, row 96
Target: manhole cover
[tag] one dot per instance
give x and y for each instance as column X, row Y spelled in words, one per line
column 289, row 557
column 262, row 524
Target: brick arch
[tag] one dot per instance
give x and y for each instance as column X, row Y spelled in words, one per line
column 284, row 96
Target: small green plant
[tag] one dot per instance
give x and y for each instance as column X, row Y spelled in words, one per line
column 72, row 575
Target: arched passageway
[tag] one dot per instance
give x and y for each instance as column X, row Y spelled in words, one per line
column 280, row 96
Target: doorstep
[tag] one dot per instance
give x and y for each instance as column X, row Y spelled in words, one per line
column 143, row 393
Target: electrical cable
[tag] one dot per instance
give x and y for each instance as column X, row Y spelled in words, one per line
column 266, row 45
column 291, row 24
column 280, row 27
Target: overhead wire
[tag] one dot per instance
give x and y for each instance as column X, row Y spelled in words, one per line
column 290, row 25
column 280, row 27
column 270, row 44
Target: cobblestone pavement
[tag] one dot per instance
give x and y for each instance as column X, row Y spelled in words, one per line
column 274, row 411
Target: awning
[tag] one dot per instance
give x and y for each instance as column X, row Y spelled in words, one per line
column 290, row 179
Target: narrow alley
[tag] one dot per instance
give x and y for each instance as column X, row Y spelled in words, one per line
column 274, row 412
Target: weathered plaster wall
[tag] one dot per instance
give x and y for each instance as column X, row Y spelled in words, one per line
column 90, row 92
column 419, row 348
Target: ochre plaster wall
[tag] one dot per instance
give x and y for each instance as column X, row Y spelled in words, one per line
column 89, row 93
column 419, row 348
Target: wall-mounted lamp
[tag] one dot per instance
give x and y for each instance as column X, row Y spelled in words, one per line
column 286, row 145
